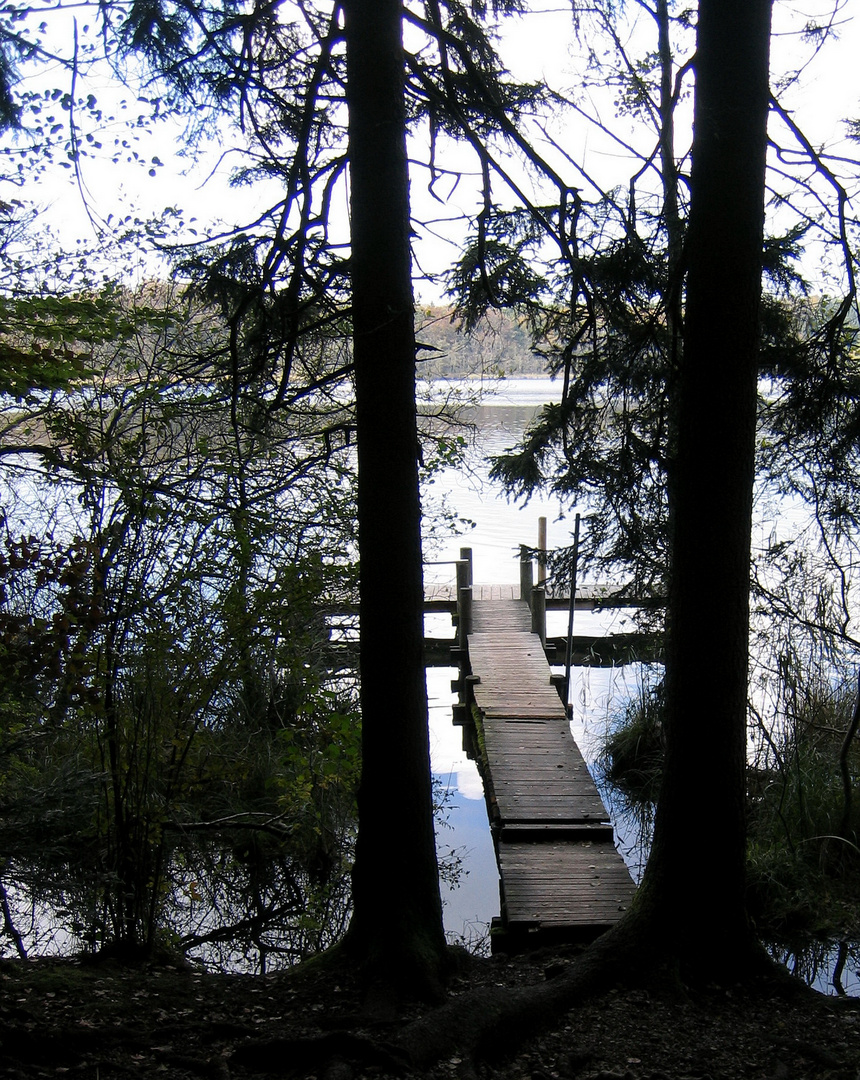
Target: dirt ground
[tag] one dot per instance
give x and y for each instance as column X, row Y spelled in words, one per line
column 103, row 1021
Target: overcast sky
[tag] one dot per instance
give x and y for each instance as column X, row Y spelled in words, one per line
column 543, row 44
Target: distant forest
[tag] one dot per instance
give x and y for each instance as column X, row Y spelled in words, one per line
column 500, row 346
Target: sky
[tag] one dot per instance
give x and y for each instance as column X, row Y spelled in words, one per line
column 543, row 44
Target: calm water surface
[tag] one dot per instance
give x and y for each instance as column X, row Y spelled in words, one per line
column 597, row 694
column 500, row 526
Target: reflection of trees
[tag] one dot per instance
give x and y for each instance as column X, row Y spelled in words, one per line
column 821, row 963
column 254, row 907
column 165, row 661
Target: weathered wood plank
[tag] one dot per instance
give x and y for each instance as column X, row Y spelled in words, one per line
column 524, row 707
column 545, row 831
column 588, row 597
column 555, row 884
column 569, row 809
column 541, row 780
column 533, row 739
column 534, row 759
column 547, row 802
column 559, row 868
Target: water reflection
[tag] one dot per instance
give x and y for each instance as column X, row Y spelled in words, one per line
column 598, row 695
column 830, row 967
column 501, row 526
column 244, row 908
column 469, row 904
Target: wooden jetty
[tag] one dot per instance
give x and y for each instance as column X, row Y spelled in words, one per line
column 586, row 650
column 561, row 878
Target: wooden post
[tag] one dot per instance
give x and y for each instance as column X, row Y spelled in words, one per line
column 538, row 606
column 526, row 575
column 541, row 574
column 466, row 556
column 571, row 608
column 464, row 596
column 464, row 579
column 464, row 607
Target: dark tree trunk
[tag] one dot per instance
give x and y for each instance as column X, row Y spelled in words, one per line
column 397, row 923
column 692, row 897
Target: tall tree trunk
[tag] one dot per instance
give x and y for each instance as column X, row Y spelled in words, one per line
column 397, row 923
column 692, row 896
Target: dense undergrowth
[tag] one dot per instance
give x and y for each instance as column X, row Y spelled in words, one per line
column 803, row 857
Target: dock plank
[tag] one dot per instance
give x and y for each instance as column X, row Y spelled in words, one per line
column 557, row 883
column 560, row 873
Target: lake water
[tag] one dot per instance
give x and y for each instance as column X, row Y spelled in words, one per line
column 597, row 694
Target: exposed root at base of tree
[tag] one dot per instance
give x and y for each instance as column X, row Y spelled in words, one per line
column 490, row 1024
column 493, row 1023
column 563, row 1013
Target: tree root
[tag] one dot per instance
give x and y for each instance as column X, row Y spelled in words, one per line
column 491, row 1023
column 331, row 1054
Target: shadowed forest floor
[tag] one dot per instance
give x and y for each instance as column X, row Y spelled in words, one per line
column 103, row 1021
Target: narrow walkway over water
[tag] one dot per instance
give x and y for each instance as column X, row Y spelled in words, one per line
column 561, row 877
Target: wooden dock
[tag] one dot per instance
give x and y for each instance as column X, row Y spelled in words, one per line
column 561, row 877
column 443, row 597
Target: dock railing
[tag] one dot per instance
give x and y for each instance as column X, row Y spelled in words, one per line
column 464, row 596
column 534, row 595
column 463, row 592
column 455, row 593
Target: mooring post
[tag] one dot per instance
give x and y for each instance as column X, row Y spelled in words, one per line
column 526, row 575
column 571, row 608
column 541, row 575
column 466, row 557
column 464, row 595
column 464, row 608
column 538, row 607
